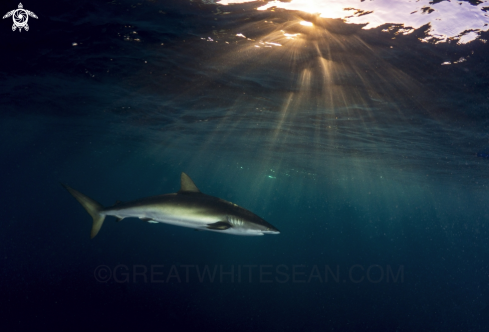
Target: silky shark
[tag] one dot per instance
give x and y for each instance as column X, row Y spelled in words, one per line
column 188, row 208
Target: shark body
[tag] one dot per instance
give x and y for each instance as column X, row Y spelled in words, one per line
column 187, row 208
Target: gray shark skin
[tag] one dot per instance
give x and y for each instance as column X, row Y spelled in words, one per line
column 187, row 208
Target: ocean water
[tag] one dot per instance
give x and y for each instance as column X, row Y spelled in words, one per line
column 360, row 132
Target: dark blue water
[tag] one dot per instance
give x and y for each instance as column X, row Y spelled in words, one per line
column 364, row 150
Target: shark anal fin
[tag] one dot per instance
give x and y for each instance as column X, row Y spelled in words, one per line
column 151, row 221
column 220, row 225
column 117, row 219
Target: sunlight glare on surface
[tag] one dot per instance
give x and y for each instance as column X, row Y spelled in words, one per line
column 447, row 19
column 306, row 23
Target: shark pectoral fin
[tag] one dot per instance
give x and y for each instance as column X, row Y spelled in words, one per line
column 187, row 185
column 220, row 225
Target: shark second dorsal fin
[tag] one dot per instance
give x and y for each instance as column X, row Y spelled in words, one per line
column 187, row 185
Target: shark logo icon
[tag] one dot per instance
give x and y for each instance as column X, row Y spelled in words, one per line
column 20, row 17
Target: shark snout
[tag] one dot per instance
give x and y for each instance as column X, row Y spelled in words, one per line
column 271, row 230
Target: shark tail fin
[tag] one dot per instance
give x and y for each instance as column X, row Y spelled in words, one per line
column 93, row 208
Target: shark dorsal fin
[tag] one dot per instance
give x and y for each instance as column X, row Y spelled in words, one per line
column 187, row 185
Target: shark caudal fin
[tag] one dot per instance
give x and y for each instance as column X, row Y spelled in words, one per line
column 93, row 208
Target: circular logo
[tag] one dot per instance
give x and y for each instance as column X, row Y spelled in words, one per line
column 20, row 17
